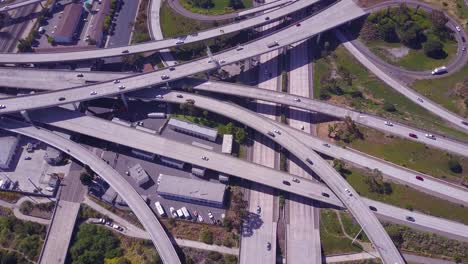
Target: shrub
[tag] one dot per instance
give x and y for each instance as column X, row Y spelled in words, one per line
column 389, row 107
column 206, row 236
column 86, row 178
column 455, row 166
column 434, row 49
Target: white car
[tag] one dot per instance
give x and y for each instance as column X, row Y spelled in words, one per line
column 348, row 192
column 2, row 106
column 387, row 123
column 121, row 87
column 116, row 81
column 200, row 218
column 259, row 209
column 210, row 215
column 159, row 96
column 458, row 28
column 93, row 93
column 430, row 136
column 297, row 99
column 277, row 132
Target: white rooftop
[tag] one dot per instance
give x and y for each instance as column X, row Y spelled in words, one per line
column 8, row 145
column 210, row 132
column 190, row 188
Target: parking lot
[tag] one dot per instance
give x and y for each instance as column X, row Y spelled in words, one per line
column 31, row 170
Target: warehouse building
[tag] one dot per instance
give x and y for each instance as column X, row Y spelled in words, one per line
column 8, row 148
column 193, row 129
column 139, row 174
column 68, row 22
column 192, row 191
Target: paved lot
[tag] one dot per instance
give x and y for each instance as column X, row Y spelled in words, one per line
column 35, row 171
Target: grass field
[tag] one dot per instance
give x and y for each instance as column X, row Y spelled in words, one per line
column 406, row 197
column 409, row 154
column 220, row 7
column 332, row 238
column 375, row 93
column 415, row 60
column 447, row 91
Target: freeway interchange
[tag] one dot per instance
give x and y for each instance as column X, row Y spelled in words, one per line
column 38, row 107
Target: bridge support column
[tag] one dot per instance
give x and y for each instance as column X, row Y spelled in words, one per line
column 26, row 116
column 124, row 100
column 76, row 106
column 319, row 37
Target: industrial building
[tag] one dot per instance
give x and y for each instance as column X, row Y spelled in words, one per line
column 193, row 129
column 192, row 191
column 53, row 156
column 139, row 174
column 69, row 19
column 8, row 148
column 227, row 144
column 96, row 31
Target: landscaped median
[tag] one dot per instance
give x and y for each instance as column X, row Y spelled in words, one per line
column 215, row 7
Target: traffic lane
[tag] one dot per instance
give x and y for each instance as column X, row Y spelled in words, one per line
column 423, row 222
column 115, row 180
column 155, row 45
column 330, row 176
column 152, row 143
column 286, row 36
column 373, row 121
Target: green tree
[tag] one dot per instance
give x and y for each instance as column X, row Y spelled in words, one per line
column 25, row 45
column 86, row 178
column 434, row 49
column 389, row 107
column 236, row 4
column 240, row 135
column 455, row 166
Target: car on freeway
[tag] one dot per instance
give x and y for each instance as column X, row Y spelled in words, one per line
column 419, row 178
column 372, row 208
column 387, row 123
column 259, row 209
column 277, row 132
column 125, row 51
column 420, row 100
column 164, row 77
column 310, row 161
column 2, row 106
column 326, row 145
column 121, row 87
column 286, row 183
column 79, row 75
column 93, row 93
column 62, row 99
column 458, row 28
column 325, row 195
column 413, row 135
column 271, row 134
column 297, row 99
column 222, row 61
column 179, row 42
column 410, row 218
column 116, row 81
column 50, row 189
column 464, row 48
column 172, row 68
column 268, row 246
column 296, row 180
column 298, row 24
column 180, row 96
column 205, row 158
column 239, row 48
column 465, row 123
column 430, row 136
column 267, row 18
column 27, row 158
column 348, row 192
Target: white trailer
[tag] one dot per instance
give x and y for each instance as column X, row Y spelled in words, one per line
column 186, row 213
column 160, row 209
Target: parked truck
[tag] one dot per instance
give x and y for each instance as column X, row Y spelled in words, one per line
column 272, row 44
column 439, row 70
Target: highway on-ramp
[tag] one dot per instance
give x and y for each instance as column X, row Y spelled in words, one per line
column 116, row 181
column 6, row 8
column 408, row 92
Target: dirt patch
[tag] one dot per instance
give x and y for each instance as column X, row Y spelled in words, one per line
column 397, row 53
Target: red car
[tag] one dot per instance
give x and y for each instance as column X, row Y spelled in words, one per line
column 419, row 178
column 413, row 135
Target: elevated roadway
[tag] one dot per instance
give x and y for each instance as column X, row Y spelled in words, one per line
column 24, row 58
column 152, row 143
column 411, row 94
column 6, row 8
column 371, row 226
column 116, row 181
column 336, row 15
column 112, row 132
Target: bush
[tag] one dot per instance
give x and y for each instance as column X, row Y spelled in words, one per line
column 389, row 107
column 206, row 236
column 455, row 166
column 86, row 178
column 434, row 49
column 215, row 256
